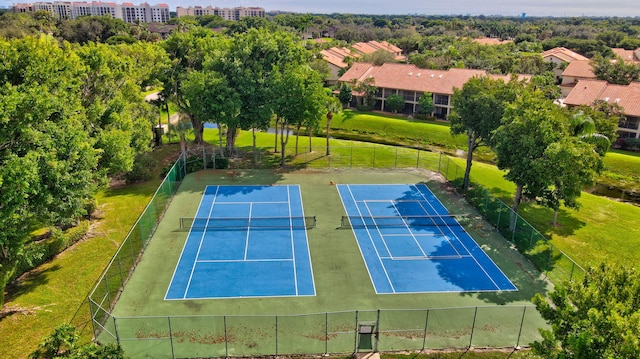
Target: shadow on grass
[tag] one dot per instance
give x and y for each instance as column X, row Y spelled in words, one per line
column 27, row 283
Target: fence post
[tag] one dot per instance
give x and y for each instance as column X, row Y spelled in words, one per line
column 395, row 165
column 115, row 327
column 276, row 335
column 426, row 324
column 355, row 339
column 351, row 158
column 374, row 157
column 377, row 332
column 173, row 353
column 515, row 227
column 226, row 339
column 533, row 231
column 473, row 326
column 524, row 311
column 326, row 333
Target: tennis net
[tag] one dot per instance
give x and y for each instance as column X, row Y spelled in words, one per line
column 248, row 222
column 449, row 220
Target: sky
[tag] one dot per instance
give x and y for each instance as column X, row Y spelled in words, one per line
column 621, row 8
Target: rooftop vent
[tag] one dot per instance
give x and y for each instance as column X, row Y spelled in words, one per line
column 410, row 73
column 439, row 76
column 432, row 75
column 418, row 74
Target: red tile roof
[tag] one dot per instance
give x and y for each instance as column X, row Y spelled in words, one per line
column 563, row 54
column 626, row 55
column 588, row 91
column 412, row 78
column 579, row 68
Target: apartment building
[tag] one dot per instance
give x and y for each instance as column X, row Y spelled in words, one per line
column 411, row 82
column 234, row 14
column 127, row 12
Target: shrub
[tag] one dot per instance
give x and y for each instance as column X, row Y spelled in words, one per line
column 142, row 169
column 38, row 252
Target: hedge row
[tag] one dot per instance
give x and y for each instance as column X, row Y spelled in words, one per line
column 37, row 253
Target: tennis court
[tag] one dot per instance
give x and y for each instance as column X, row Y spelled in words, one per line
column 245, row 241
column 412, row 244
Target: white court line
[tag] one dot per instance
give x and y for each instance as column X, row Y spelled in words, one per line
column 374, row 245
column 257, row 202
column 246, row 241
column 306, row 239
column 245, row 261
column 204, row 232
column 409, row 228
column 467, row 249
column 293, row 246
column 175, row 270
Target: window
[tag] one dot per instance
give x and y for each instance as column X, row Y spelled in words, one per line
column 629, row 122
column 441, row 100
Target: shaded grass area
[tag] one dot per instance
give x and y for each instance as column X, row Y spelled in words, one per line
column 56, row 292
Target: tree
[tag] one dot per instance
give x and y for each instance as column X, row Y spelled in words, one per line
column 529, row 125
column 569, row 165
column 367, row 91
column 48, row 165
column 426, row 103
column 299, row 97
column 616, row 72
column 333, row 107
column 394, row 102
column 253, row 66
column 477, row 111
column 118, row 118
column 596, row 317
column 188, row 51
column 210, row 99
column 378, row 58
column 345, row 94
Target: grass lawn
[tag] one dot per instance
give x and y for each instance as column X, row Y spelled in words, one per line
column 601, row 230
column 402, row 130
column 56, row 292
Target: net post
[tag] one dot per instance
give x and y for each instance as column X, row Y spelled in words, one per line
column 226, row 338
column 355, row 330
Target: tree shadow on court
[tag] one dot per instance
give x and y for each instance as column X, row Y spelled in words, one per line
column 515, row 265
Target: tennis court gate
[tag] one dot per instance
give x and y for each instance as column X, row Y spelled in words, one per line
column 348, row 332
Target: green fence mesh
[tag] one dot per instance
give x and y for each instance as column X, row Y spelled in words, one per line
column 331, row 332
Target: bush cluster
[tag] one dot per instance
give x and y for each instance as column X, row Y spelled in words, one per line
column 38, row 252
column 628, row 144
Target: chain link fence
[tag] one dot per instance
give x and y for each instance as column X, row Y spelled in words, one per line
column 330, row 332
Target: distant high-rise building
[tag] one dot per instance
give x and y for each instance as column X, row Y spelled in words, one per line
column 127, row 12
column 226, row 13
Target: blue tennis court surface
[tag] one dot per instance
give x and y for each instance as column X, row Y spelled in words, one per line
column 411, row 244
column 246, row 241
